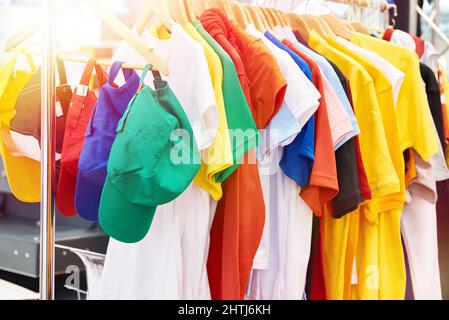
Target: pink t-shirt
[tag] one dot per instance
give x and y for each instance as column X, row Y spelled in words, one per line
column 339, row 119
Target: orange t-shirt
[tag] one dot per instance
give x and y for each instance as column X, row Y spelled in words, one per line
column 238, row 225
column 323, row 186
column 262, row 70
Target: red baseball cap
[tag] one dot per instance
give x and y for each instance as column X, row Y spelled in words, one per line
column 81, row 109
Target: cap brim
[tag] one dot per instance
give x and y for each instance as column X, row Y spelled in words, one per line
column 23, row 176
column 87, row 198
column 122, row 220
column 65, row 196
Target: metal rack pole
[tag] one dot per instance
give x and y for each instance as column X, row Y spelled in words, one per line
column 48, row 119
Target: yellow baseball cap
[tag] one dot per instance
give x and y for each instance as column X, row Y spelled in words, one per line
column 23, row 173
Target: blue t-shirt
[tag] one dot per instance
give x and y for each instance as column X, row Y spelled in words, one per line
column 299, row 157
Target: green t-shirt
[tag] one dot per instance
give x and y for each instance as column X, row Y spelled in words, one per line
column 238, row 114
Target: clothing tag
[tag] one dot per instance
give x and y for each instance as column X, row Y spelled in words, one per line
column 58, row 109
column 82, row 90
column 355, row 277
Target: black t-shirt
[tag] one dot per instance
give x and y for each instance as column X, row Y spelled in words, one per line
column 434, row 98
column 349, row 197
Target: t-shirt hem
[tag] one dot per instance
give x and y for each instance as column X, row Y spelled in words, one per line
column 311, row 107
column 342, row 132
column 345, row 205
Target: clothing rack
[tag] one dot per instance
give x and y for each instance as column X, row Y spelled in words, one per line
column 48, row 155
column 48, row 116
column 101, row 62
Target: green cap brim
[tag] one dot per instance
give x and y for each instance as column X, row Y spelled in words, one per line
column 122, row 220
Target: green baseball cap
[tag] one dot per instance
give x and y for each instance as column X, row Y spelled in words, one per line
column 153, row 160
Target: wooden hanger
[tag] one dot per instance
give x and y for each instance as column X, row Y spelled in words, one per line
column 360, row 27
column 337, row 26
column 297, row 22
column 189, row 10
column 104, row 12
column 199, row 6
column 276, row 21
column 247, row 14
column 259, row 22
column 224, row 6
column 265, row 12
column 282, row 17
column 258, row 11
column 150, row 9
column 240, row 14
column 177, row 10
column 316, row 24
column 326, row 27
column 349, row 25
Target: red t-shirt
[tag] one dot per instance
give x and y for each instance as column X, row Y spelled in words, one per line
column 238, row 225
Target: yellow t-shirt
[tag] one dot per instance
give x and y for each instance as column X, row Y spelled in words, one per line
column 384, row 92
column 219, row 156
column 413, row 112
column 382, row 177
column 342, row 236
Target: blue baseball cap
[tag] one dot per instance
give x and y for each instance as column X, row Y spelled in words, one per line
column 100, row 135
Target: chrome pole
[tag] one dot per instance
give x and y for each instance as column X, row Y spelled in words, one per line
column 48, row 119
column 413, row 17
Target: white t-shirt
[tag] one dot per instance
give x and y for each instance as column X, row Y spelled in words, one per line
column 300, row 103
column 173, row 252
column 291, row 222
